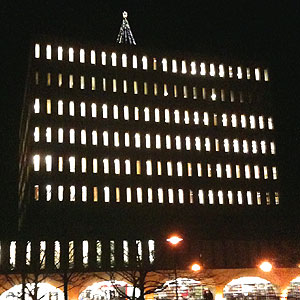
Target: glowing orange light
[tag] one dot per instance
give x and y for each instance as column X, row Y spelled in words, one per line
column 265, row 266
column 196, row 267
column 174, row 240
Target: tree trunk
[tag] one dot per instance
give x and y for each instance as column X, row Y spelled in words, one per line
column 23, row 287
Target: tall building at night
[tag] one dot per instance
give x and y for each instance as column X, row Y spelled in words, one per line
column 121, row 146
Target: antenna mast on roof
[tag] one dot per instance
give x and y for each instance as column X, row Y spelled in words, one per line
column 125, row 35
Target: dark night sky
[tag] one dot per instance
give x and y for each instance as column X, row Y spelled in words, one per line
column 263, row 30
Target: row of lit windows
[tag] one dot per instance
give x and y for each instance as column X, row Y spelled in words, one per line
column 173, row 65
column 159, row 195
column 158, row 141
column 145, row 88
column 149, row 167
column 157, row 115
column 138, row 247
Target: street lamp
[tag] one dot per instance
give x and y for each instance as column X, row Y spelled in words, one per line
column 196, row 267
column 266, row 266
column 174, row 240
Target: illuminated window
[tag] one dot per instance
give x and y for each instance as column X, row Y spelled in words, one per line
column 209, row 170
column 178, row 142
column 105, row 166
column 247, row 172
column 175, row 91
column 183, row 67
column 207, row 144
column 167, row 116
column 60, row 193
column 139, row 195
column 127, row 139
column 240, row 197
column 93, row 57
column 48, row 162
column 205, row 119
column 48, row 51
column 104, row 111
column 215, row 120
column 117, row 166
column 83, row 165
column 37, row 51
column 230, row 72
column 95, row 194
column 228, row 171
column 174, row 66
column 150, row 195
column 217, row 145
column 230, row 197
column 71, row 108
column 155, row 89
column 213, row 95
column 274, row 171
column 160, row 195
column 128, row 194
column 165, row 90
column 261, row 122
column 168, row 142
column 231, row 96
column 104, row 84
column 71, row 252
column 199, row 169
column 156, row 115
column 179, row 168
column 256, row 172
column 48, row 135
column 136, row 113
column 134, row 61
column 239, row 73
column 82, row 85
column 194, row 92
column 196, row 118
column 72, row 164
column 272, row 148
column 71, row 55
column 233, row 120
column 84, row 193
column 85, row 253
column 266, row 75
column 189, row 169
column 276, row 198
column 147, row 114
column 138, row 167
column 180, row 196
column 157, row 141
column 224, row 120
column 124, row 60
column 135, row 87
column 28, row 254
column 36, row 134
column 254, row 147
column 36, row 78
column 226, row 145
column 83, row 137
column 164, row 65
column 186, row 117
column 263, row 147
column 137, row 140
column 148, row 141
column 126, row 112
column 114, row 59
column 237, row 171
column 193, row 68
column 219, row 170
column 71, row 81
column 144, row 63
column 93, row 83
column 210, row 197
column 36, row 162
column 202, row 69
column 245, row 146
column 36, row 106
column 169, row 168
column 59, row 79
column 149, row 167
column 201, row 196
column 48, row 106
column 116, row 139
column 249, row 198
column 171, row 195
column 124, row 86
column 221, row 71
column 248, row 73
column 221, row 197
column 36, row 192
column 222, row 95
column 188, row 143
column 268, row 198
column 12, row 254
column 95, row 165
column 159, row 168
column 212, row 71
column 81, row 56
column 243, row 121
column 72, row 136
column 103, row 58
column 48, row 192
column 72, row 193
column 127, row 167
column 257, row 74
column 177, row 116
column 114, row 85
column 145, row 88
column 270, row 123
column 252, row 122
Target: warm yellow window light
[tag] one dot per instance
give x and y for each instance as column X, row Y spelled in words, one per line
column 174, row 240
